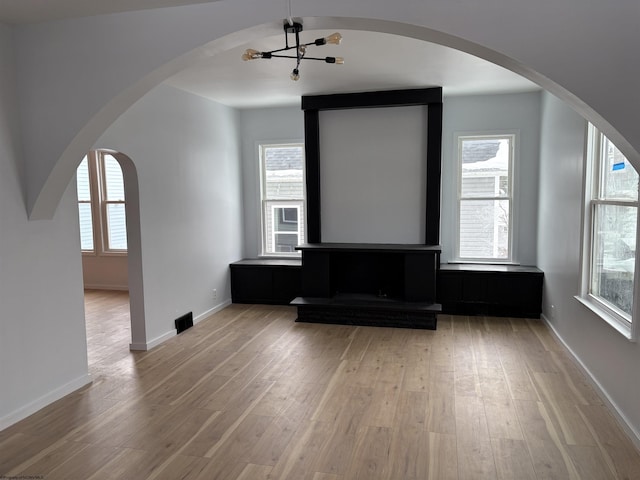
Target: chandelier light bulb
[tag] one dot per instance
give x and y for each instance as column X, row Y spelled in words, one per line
column 251, row 54
column 336, row 60
column 334, row 39
column 295, row 75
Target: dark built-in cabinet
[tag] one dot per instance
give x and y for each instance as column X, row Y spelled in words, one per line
column 497, row 290
column 386, row 286
column 269, row 281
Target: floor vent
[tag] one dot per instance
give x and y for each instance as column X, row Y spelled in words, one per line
column 184, row 322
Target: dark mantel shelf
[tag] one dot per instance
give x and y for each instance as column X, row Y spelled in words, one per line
column 365, row 247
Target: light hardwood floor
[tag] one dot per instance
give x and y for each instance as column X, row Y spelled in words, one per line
column 249, row 394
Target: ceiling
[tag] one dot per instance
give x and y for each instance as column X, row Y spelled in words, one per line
column 373, row 61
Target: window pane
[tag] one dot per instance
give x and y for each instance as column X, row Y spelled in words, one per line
column 285, row 219
column 86, row 226
column 116, row 224
column 82, row 180
column 113, row 179
column 619, row 178
column 484, row 229
column 285, row 242
column 613, row 255
column 283, row 172
column 285, row 229
column 485, row 167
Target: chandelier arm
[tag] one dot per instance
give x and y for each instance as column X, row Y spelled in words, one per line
column 310, row 43
column 323, row 59
column 281, row 49
column 285, row 56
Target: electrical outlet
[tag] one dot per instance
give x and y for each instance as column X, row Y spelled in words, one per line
column 215, row 294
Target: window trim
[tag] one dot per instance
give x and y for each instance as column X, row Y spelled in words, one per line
column 514, row 136
column 591, row 183
column 264, row 202
column 298, row 205
column 98, row 201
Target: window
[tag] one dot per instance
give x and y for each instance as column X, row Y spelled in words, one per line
column 101, row 204
column 282, row 190
column 485, row 198
column 611, row 211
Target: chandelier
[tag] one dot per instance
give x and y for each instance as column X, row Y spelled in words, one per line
column 291, row 27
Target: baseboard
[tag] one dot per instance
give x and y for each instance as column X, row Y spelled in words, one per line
column 624, row 423
column 40, row 403
column 89, row 286
column 153, row 343
column 172, row 333
column 138, row 347
column 211, row 311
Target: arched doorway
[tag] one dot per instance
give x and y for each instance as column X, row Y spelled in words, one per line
column 108, row 194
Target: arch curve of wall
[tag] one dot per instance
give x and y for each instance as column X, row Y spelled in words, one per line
column 134, row 250
column 42, row 204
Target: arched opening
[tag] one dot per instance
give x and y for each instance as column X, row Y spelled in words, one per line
column 43, row 203
column 134, row 247
column 107, row 197
column 121, row 103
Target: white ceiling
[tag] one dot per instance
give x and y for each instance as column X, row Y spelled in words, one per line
column 373, row 61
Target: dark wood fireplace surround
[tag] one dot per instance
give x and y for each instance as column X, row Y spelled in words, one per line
column 382, row 284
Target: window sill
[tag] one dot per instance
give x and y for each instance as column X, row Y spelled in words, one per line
column 280, row 256
column 86, row 253
column 478, row 262
column 622, row 328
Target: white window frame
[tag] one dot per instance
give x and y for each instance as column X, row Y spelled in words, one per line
column 99, row 203
column 513, row 136
column 619, row 320
column 268, row 235
column 283, row 204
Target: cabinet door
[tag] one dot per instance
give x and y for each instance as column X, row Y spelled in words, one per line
column 474, row 287
column 316, row 278
column 420, row 277
column 516, row 290
column 450, row 287
column 251, row 285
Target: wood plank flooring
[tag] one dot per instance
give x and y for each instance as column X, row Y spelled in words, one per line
column 248, row 394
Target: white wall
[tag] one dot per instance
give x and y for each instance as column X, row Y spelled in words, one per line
column 262, row 125
column 186, row 152
column 491, row 114
column 373, row 175
column 611, row 359
column 42, row 334
column 105, row 272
